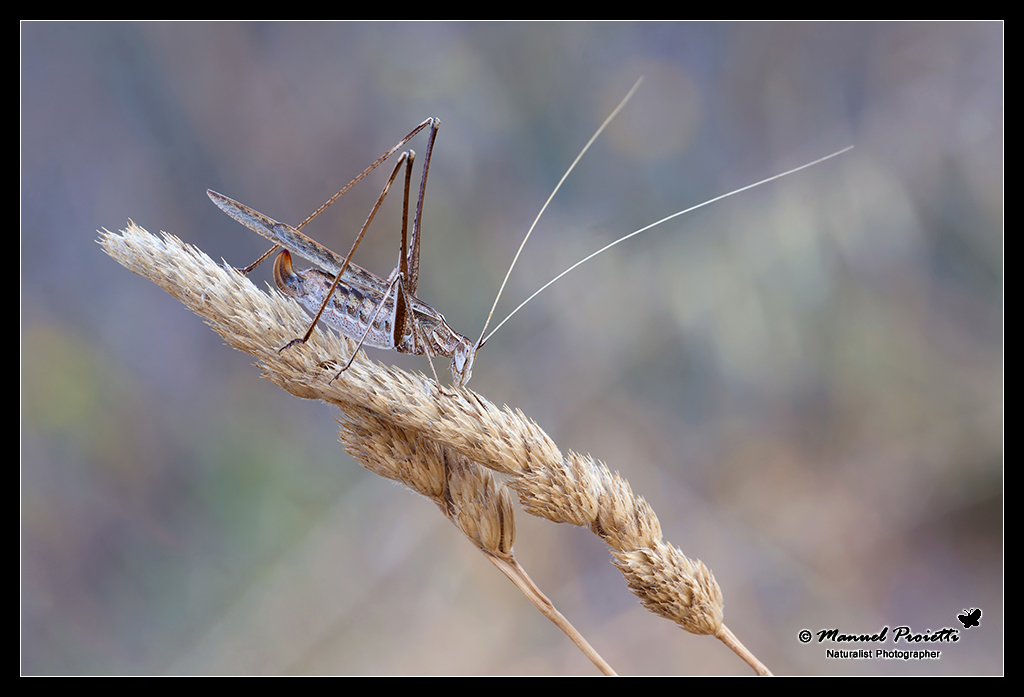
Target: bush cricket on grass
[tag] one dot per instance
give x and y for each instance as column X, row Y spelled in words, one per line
column 385, row 313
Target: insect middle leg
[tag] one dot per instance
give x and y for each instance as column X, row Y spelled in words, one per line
column 398, row 287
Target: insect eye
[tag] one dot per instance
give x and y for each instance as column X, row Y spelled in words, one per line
column 462, row 364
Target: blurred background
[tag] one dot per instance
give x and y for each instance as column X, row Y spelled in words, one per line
column 805, row 381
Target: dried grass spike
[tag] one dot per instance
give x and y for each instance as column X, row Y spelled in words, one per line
column 409, row 407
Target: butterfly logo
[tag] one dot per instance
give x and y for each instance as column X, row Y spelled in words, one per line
column 970, row 619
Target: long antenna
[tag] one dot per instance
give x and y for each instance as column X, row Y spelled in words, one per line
column 644, row 229
column 481, row 340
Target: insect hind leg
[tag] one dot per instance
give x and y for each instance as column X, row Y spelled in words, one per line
column 405, row 158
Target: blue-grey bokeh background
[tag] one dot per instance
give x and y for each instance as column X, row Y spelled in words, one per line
column 805, row 381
